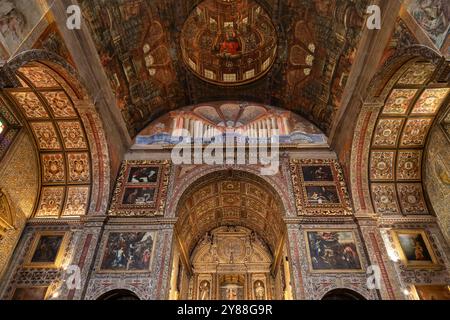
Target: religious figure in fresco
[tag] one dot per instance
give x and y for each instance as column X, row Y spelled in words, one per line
column 230, row 46
column 433, row 17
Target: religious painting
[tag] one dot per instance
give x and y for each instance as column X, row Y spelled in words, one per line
column 17, row 19
column 143, row 174
column 433, row 16
column 47, row 249
column 30, row 293
column 128, row 252
column 322, row 195
column 141, row 188
column 319, row 187
column 317, row 173
column 333, row 251
column 432, row 292
column 232, row 292
column 414, row 249
column 139, row 196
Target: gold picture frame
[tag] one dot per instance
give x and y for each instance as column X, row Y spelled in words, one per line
column 431, row 292
column 414, row 249
column 101, row 265
column 26, row 293
column 56, row 254
column 314, row 267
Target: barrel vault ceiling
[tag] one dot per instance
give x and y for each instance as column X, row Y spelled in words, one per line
column 138, row 43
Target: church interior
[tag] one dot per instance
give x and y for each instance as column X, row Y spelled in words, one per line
column 111, row 112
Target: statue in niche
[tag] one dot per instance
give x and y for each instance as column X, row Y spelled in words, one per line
column 260, row 291
column 232, row 293
column 205, row 290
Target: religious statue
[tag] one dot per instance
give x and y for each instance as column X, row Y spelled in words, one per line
column 260, row 291
column 232, row 294
column 205, row 290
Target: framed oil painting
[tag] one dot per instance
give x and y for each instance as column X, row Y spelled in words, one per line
column 317, row 173
column 128, row 251
column 415, row 249
column 322, row 195
column 332, row 251
column 432, row 292
column 30, row 293
column 47, row 250
column 141, row 189
column 143, row 174
column 138, row 196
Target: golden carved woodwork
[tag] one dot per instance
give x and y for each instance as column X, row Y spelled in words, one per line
column 6, row 215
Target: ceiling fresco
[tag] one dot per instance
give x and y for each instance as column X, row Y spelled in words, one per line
column 149, row 58
column 229, row 42
column 209, row 122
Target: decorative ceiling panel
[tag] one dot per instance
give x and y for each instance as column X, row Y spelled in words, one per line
column 399, row 138
column 140, row 46
column 57, row 128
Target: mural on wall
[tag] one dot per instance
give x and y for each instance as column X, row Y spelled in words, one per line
column 245, row 121
column 433, row 16
column 319, row 187
column 128, row 252
column 333, row 251
column 141, row 188
column 17, row 19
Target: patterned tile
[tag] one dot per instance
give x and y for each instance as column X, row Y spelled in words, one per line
column 46, row 136
column 411, row 198
column 53, row 170
column 399, row 101
column 51, row 202
column 418, row 73
column 38, row 77
column 409, row 165
column 30, row 105
column 60, row 104
column 72, row 134
column 430, row 101
column 382, row 165
column 415, row 132
column 385, row 198
column 79, row 169
column 77, row 201
column 387, row 132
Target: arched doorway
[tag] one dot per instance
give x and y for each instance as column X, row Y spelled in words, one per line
column 117, row 295
column 343, row 294
column 230, row 237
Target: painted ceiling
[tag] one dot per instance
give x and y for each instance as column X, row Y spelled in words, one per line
column 240, row 119
column 229, row 42
column 140, row 46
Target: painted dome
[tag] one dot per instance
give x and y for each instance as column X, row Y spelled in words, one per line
column 229, row 42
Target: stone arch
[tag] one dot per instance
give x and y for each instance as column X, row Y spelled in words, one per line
column 118, row 294
column 393, row 105
column 198, row 172
column 100, row 293
column 91, row 196
column 343, row 294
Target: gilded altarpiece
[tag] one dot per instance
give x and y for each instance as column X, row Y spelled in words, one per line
column 232, row 263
